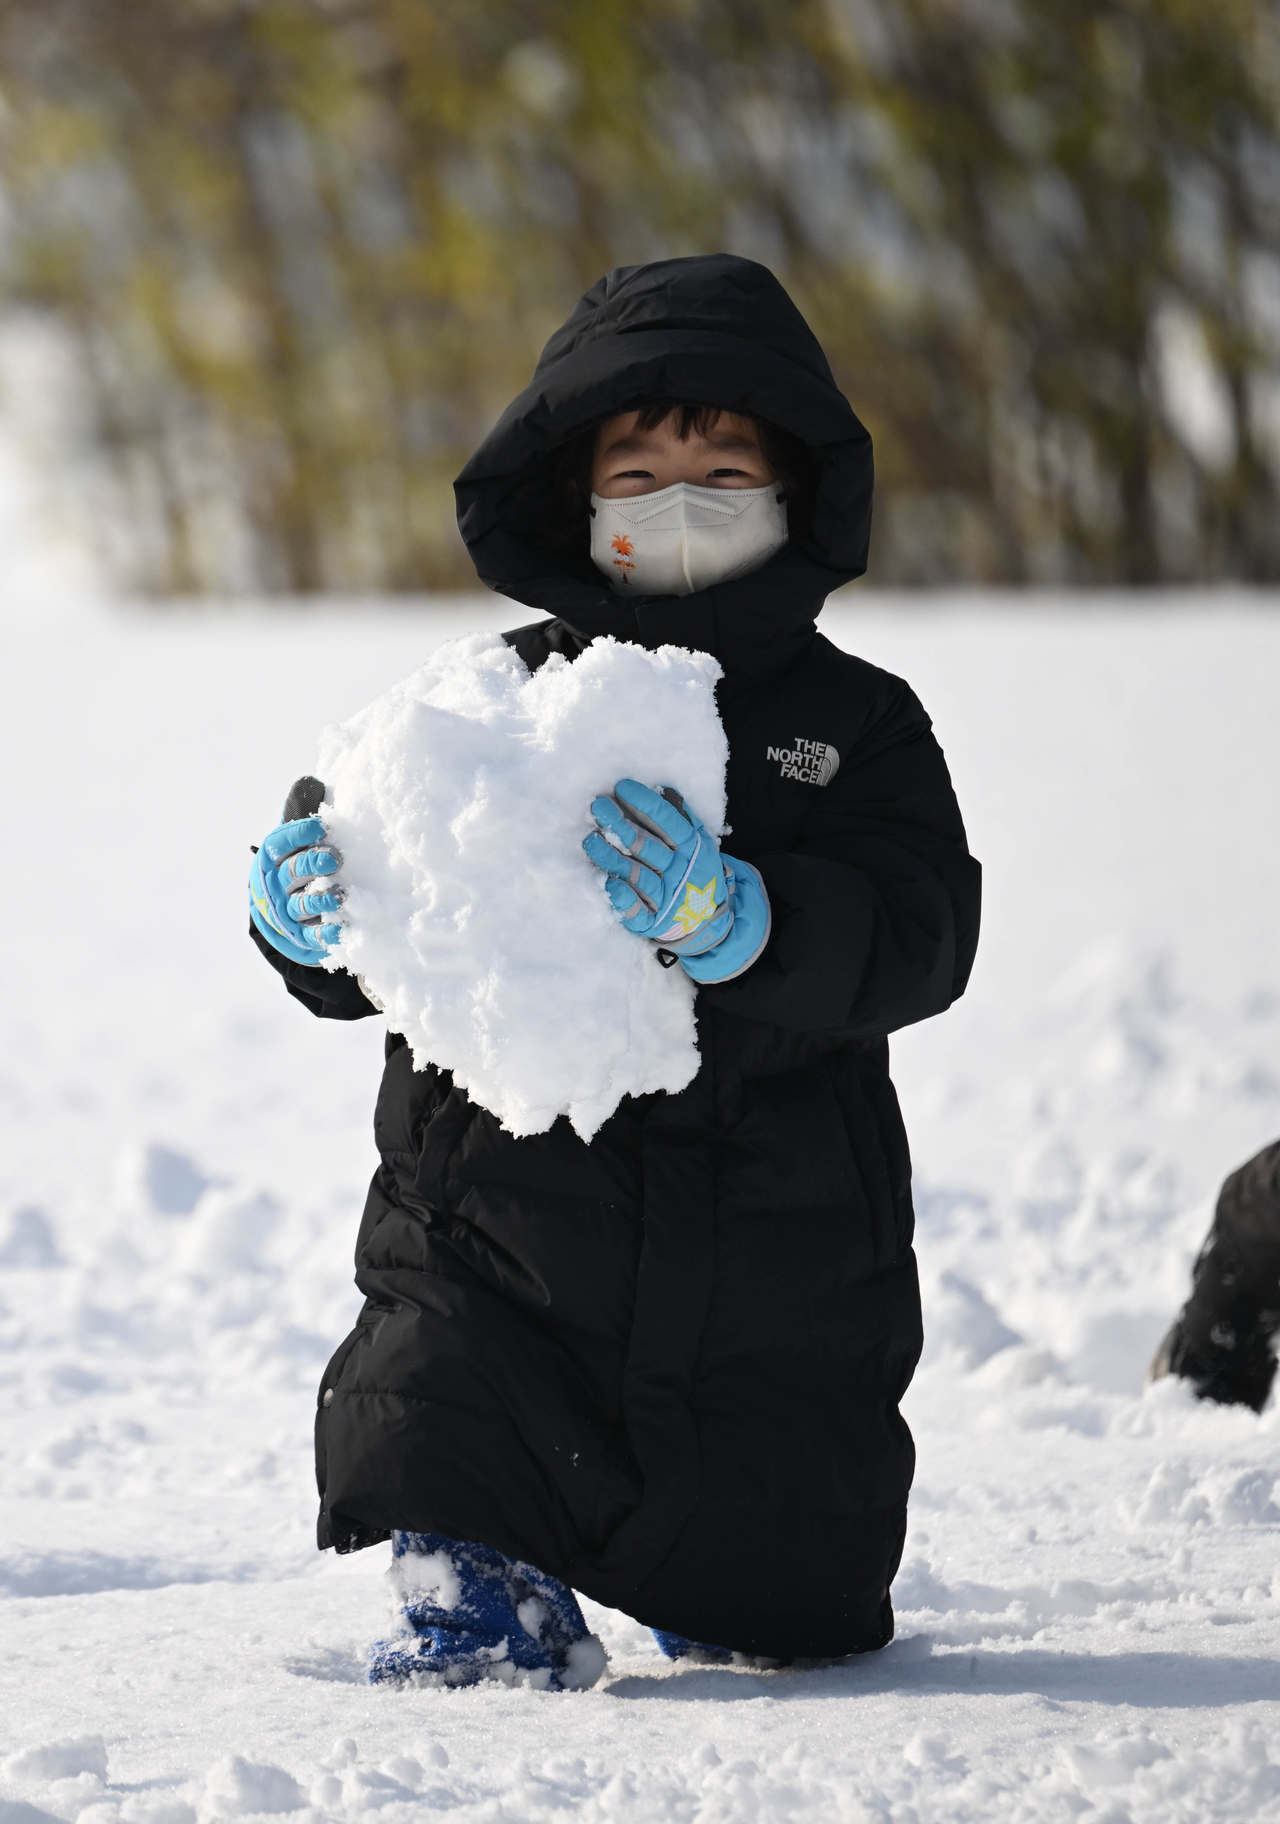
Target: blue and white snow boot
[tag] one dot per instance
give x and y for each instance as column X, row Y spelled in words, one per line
column 465, row 1613
column 675, row 1646
column 701, row 1653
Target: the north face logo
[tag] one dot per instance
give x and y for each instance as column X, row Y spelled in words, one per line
column 808, row 762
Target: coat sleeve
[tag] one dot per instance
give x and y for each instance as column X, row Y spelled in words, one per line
column 328, row 994
column 876, row 904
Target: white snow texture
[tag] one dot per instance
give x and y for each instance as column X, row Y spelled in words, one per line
column 459, row 800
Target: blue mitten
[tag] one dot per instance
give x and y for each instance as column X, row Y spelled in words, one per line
column 672, row 885
column 281, row 904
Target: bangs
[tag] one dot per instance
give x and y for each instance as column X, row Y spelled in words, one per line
column 694, row 420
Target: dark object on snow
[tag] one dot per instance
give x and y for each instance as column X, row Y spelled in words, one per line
column 1222, row 1339
column 665, row 1367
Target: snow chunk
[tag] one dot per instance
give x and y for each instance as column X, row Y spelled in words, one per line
column 963, row 1325
column 157, row 1808
column 17, row 1811
column 1227, row 1495
column 933, row 1751
column 459, row 801
column 61, row 1760
column 29, row 1240
column 1113, row 1761
column 415, row 1575
column 160, row 1179
column 81, row 1797
column 236, row 1788
column 586, row 1664
column 227, row 1233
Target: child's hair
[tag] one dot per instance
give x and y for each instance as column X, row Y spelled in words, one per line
column 792, row 461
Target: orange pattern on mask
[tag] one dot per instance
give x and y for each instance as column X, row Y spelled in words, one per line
column 625, row 549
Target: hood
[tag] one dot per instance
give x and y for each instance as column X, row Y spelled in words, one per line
column 714, row 330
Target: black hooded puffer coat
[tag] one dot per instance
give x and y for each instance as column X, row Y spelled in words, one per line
column 666, row 1366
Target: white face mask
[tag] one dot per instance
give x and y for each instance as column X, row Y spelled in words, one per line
column 683, row 538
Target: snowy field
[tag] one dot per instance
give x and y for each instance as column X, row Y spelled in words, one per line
column 1089, row 1609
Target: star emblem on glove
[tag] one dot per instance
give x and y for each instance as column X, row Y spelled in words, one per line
column 267, row 912
column 697, row 906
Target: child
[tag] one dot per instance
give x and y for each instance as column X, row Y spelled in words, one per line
column 665, row 1367
column 1224, row 1339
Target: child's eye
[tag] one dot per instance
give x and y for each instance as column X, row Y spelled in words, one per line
column 723, row 474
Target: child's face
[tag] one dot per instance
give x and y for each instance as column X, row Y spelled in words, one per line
column 632, row 461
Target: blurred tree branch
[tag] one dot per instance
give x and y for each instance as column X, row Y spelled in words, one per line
column 308, row 249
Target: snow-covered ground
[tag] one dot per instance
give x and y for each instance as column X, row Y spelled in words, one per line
column 1089, row 1610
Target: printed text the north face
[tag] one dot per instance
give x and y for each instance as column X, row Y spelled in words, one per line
column 808, row 762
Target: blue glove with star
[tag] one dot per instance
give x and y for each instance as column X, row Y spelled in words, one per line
column 671, row 884
column 292, row 889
